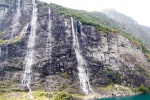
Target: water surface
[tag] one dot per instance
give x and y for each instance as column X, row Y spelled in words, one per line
column 135, row 97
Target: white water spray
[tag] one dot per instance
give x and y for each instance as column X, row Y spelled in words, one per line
column 83, row 74
column 49, row 47
column 30, row 52
column 16, row 20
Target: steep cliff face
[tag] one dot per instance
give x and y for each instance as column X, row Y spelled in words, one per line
column 129, row 25
column 3, row 8
column 110, row 57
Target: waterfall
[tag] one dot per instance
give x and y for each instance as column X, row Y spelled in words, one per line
column 30, row 52
column 49, row 47
column 50, row 85
column 81, row 66
column 16, row 20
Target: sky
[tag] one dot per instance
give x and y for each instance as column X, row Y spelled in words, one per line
column 139, row 10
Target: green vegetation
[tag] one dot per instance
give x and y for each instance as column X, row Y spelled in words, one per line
column 146, row 51
column 3, row 41
column 141, row 89
column 43, row 4
column 38, row 95
column 84, row 17
column 1, row 34
column 109, row 87
column 63, row 86
column 17, row 39
column 135, row 90
column 13, row 69
column 144, row 89
column 65, row 75
column 115, row 77
column 4, row 85
column 62, row 96
column 96, row 19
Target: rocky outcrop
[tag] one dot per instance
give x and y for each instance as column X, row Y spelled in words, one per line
column 129, row 25
column 110, row 57
column 3, row 10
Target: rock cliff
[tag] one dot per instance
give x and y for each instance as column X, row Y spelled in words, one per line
column 110, row 57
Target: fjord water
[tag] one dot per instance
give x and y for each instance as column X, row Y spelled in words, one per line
column 81, row 64
column 134, row 97
column 29, row 59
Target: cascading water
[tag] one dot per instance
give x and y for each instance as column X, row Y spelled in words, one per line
column 83, row 75
column 16, row 20
column 49, row 47
column 30, row 52
column 15, row 25
column 48, row 50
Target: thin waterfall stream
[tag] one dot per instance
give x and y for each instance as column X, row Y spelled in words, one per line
column 16, row 20
column 49, row 47
column 15, row 25
column 81, row 63
column 30, row 51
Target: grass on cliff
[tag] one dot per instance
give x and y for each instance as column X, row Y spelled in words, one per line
column 62, row 96
column 38, row 95
column 114, row 77
column 90, row 18
column 84, row 17
column 23, row 96
column 2, row 41
column 144, row 89
column 43, row 4
column 141, row 89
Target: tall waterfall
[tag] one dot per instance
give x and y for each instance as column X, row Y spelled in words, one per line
column 16, row 20
column 48, row 50
column 49, row 47
column 30, row 52
column 83, row 74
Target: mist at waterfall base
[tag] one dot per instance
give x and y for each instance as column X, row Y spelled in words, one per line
column 134, row 97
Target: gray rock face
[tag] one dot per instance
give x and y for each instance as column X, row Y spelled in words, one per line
column 130, row 25
column 111, row 58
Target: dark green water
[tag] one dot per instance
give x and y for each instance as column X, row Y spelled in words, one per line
column 135, row 97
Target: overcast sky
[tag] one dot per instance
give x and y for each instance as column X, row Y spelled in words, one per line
column 137, row 9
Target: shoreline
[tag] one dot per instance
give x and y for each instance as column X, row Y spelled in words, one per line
column 99, row 96
column 110, row 91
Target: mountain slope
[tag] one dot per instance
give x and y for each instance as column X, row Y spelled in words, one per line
column 111, row 56
column 106, row 24
column 129, row 25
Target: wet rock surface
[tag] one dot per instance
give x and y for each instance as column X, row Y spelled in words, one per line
column 110, row 58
